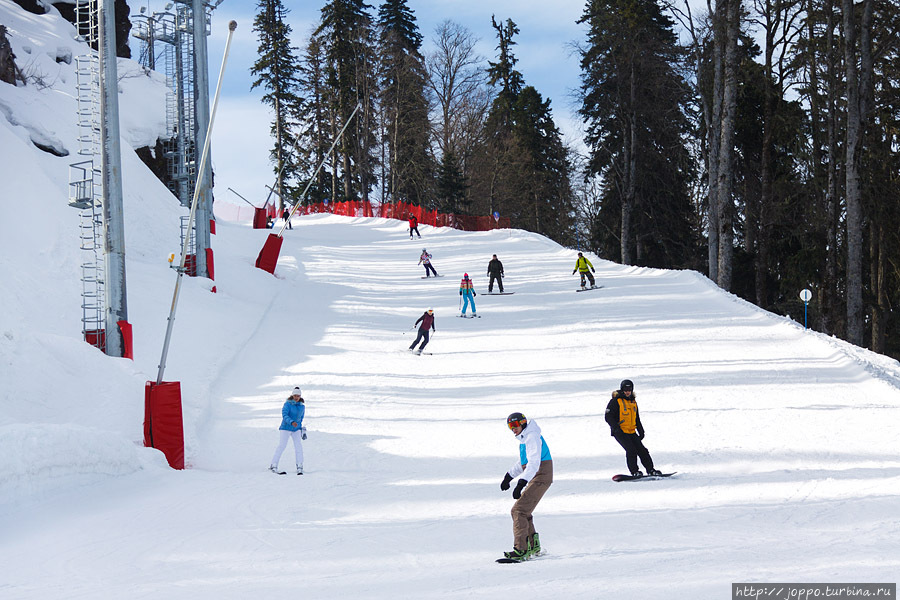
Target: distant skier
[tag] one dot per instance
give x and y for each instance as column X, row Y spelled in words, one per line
column 413, row 226
column 535, row 471
column 582, row 265
column 291, row 427
column 427, row 322
column 286, row 215
column 625, row 425
column 425, row 259
column 467, row 291
column 495, row 271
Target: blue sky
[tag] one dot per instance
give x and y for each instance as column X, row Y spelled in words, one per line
column 547, row 31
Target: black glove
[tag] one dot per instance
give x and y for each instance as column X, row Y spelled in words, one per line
column 473, row 293
column 592, row 270
column 573, row 272
column 517, row 493
column 460, row 292
column 504, row 485
column 640, row 435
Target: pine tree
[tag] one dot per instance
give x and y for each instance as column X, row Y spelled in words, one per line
column 404, row 105
column 345, row 32
column 634, row 103
column 450, row 187
column 276, row 70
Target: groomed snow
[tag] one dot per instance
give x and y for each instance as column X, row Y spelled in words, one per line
column 784, row 439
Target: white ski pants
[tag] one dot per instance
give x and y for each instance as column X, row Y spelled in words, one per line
column 282, row 444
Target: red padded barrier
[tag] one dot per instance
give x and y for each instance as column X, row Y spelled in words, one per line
column 259, row 219
column 163, row 425
column 212, row 226
column 127, row 339
column 210, row 267
column 268, row 256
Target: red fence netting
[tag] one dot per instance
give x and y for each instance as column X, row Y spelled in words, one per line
column 401, row 211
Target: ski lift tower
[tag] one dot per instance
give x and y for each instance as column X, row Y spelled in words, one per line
column 95, row 182
column 186, row 61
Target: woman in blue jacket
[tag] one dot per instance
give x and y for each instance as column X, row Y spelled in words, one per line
column 291, row 427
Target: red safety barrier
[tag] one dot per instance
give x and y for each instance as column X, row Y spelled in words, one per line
column 127, row 339
column 210, row 266
column 268, row 256
column 163, row 424
column 212, row 226
column 96, row 338
column 259, row 219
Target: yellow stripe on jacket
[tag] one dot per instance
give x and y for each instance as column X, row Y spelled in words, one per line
column 627, row 415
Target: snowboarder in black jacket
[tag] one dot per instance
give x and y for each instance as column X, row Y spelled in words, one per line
column 495, row 271
column 624, row 422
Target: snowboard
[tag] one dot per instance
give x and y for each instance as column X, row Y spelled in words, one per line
column 469, row 316
column 498, row 293
column 506, row 561
column 431, row 276
column 599, row 287
column 621, row 477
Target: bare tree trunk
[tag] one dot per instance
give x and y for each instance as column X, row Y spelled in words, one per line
column 713, row 133
column 832, row 293
column 726, row 146
column 882, row 305
column 629, row 140
column 856, row 114
column 279, row 156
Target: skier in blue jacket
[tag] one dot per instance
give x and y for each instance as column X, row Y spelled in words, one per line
column 535, row 472
column 291, row 427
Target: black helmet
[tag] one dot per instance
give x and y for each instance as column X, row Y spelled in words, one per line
column 627, row 385
column 516, row 419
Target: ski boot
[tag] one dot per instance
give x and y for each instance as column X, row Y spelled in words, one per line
column 516, row 554
column 299, row 469
column 273, row 468
column 534, row 545
column 419, row 351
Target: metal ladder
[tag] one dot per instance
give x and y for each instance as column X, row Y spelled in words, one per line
column 85, row 184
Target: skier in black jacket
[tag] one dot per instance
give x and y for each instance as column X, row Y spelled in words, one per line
column 625, row 425
column 495, row 271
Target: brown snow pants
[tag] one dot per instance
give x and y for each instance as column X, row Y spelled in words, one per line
column 523, row 525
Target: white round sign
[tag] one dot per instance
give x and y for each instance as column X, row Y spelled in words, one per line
column 806, row 295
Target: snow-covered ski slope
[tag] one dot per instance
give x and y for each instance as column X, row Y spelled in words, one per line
column 785, row 441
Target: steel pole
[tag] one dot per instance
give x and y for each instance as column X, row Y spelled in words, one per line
column 203, row 161
column 111, row 169
column 201, row 112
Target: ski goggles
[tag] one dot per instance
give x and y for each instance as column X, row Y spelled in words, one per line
column 517, row 423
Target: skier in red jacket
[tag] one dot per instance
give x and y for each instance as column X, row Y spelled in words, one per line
column 427, row 322
column 413, row 226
